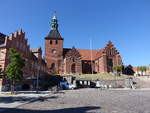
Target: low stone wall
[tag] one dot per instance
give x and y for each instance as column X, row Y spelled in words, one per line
column 4, row 88
column 113, row 83
column 125, row 83
column 142, row 82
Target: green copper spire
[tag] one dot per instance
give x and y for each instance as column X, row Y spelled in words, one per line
column 54, row 32
column 54, row 22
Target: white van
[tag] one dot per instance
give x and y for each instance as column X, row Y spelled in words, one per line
column 66, row 85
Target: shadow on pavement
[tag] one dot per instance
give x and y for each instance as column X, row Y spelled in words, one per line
column 41, row 92
column 23, row 99
column 65, row 110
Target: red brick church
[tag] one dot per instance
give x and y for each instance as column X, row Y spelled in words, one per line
column 73, row 60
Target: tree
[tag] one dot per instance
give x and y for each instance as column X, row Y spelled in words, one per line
column 1, row 72
column 138, row 69
column 118, row 69
column 128, row 70
column 14, row 69
column 142, row 69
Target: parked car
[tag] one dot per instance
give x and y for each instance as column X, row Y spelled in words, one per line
column 66, row 85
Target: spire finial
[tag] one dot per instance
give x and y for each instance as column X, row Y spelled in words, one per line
column 54, row 15
column 109, row 41
column 54, row 23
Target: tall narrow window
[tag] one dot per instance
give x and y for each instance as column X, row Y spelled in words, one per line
column 56, row 41
column 73, row 60
column 110, row 52
column 51, row 42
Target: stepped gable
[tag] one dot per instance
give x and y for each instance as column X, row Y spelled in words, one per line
column 109, row 46
column 2, row 35
column 2, row 38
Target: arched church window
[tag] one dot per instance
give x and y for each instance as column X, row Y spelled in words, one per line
column 52, row 66
column 112, row 50
column 51, row 42
column 107, row 52
column 73, row 68
column 73, row 60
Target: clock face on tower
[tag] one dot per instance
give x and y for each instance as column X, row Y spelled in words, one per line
column 53, row 51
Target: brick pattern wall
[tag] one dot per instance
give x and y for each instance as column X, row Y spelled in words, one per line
column 102, row 64
column 87, row 66
column 72, row 62
column 54, row 54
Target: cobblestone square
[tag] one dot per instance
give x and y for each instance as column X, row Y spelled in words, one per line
column 89, row 101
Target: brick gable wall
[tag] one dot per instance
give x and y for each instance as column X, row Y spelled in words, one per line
column 33, row 65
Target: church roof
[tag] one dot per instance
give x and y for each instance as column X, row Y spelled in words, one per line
column 54, row 34
column 86, row 54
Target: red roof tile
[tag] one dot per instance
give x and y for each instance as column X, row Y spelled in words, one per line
column 86, row 54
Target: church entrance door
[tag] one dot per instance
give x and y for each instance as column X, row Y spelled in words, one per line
column 110, row 65
column 73, row 68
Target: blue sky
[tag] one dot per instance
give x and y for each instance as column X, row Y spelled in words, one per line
column 125, row 22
